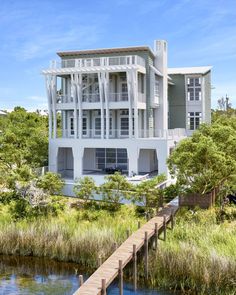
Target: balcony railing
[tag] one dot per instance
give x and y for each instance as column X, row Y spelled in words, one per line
column 124, row 133
column 64, row 99
column 119, row 96
column 97, row 62
column 95, row 97
column 90, row 97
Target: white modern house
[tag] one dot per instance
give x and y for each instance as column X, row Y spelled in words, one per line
column 2, row 113
column 121, row 107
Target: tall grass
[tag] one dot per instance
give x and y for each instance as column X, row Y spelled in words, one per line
column 80, row 236
column 199, row 256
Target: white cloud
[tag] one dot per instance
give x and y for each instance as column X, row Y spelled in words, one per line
column 36, row 31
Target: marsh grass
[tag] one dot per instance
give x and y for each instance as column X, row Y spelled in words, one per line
column 78, row 235
column 199, row 256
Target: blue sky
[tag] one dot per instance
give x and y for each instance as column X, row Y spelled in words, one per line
column 198, row 33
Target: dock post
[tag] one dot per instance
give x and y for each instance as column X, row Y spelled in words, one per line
column 99, row 261
column 146, row 255
column 120, row 277
column 164, row 227
column 139, row 225
column 104, row 291
column 156, row 236
column 127, row 233
column 81, row 280
column 172, row 221
column 135, row 267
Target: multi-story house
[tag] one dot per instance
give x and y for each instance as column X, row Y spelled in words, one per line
column 121, row 107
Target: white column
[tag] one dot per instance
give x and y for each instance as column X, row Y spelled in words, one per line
column 53, row 157
column 79, row 96
column 49, row 96
column 129, row 85
column 135, row 96
column 162, row 155
column 73, row 93
column 54, row 98
column 133, row 155
column 63, row 118
column 101, row 90
column 78, row 154
column 145, row 122
column 106, row 89
column 160, row 49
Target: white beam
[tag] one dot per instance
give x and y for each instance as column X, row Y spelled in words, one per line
column 129, row 85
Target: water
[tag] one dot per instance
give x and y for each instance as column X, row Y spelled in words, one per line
column 30, row 275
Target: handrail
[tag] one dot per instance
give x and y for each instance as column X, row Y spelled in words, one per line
column 98, row 62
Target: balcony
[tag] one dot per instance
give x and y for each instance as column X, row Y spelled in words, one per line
column 124, row 133
column 64, row 99
column 90, row 97
column 99, row 62
column 95, row 97
column 119, row 96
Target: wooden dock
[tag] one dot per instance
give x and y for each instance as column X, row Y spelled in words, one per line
column 100, row 280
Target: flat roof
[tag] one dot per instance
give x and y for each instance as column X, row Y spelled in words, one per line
column 106, row 51
column 189, row 70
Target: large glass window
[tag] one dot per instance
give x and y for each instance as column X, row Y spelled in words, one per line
column 106, row 158
column 194, row 89
column 194, row 120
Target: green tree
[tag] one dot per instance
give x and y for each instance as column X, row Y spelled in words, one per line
column 23, row 139
column 208, row 158
column 51, row 183
column 85, row 188
column 148, row 194
column 116, row 188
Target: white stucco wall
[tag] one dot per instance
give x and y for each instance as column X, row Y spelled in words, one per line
column 89, row 159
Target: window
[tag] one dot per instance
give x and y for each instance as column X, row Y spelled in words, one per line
column 194, row 120
column 124, row 91
column 90, row 88
column 156, row 88
column 124, row 126
column 84, row 126
column 106, row 158
column 194, row 89
column 72, row 126
column 97, row 126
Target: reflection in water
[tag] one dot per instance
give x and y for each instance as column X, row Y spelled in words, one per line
column 41, row 276
column 30, row 275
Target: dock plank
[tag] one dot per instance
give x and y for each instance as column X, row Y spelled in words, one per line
column 109, row 269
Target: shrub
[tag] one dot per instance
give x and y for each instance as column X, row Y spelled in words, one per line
column 51, row 183
column 85, row 188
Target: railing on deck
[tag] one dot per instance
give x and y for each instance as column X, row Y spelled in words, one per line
column 124, row 133
column 119, row 96
column 98, row 62
column 95, row 97
column 64, row 99
column 91, row 97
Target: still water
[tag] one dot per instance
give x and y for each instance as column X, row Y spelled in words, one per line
column 29, row 275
